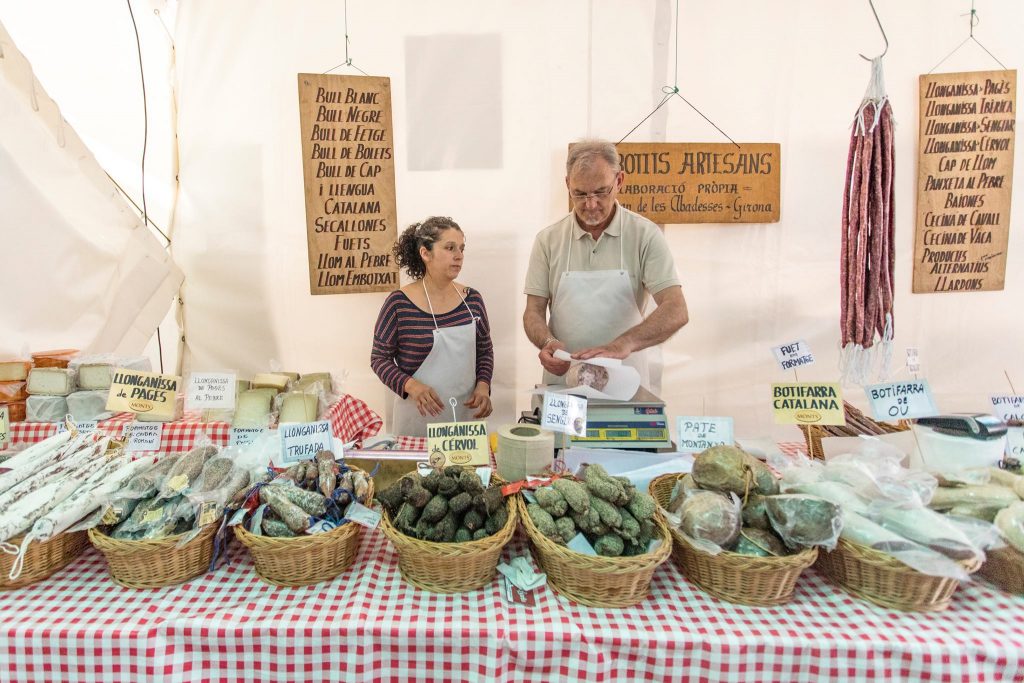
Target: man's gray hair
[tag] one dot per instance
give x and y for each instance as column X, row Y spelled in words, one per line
column 583, row 153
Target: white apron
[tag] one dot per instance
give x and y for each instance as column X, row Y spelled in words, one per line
column 593, row 307
column 449, row 369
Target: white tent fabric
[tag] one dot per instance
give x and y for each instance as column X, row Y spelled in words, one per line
column 764, row 72
column 80, row 267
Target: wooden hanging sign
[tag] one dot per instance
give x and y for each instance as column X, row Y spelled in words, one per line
column 349, row 169
column 701, row 182
column 964, row 180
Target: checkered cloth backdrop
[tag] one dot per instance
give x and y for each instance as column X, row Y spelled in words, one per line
column 351, row 420
column 368, row 625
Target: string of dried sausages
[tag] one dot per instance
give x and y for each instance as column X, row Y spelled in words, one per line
column 867, row 256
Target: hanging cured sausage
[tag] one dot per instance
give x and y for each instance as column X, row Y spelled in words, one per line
column 868, row 257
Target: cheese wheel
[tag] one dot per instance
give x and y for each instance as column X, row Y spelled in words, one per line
column 88, row 405
column 271, row 380
column 15, row 411
column 54, row 359
column 253, row 409
column 14, row 370
column 12, row 391
column 51, row 381
column 299, row 407
column 46, row 409
column 94, row 376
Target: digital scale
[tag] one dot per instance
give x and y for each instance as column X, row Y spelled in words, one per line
column 639, row 423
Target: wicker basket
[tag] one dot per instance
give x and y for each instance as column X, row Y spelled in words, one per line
column 1005, row 568
column 450, row 567
column 885, row 581
column 304, row 560
column 814, row 433
column 595, row 580
column 156, row 563
column 742, row 579
column 41, row 559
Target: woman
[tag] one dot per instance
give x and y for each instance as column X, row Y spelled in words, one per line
column 432, row 341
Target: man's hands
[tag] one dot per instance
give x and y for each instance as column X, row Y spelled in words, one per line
column 617, row 348
column 481, row 400
column 550, row 363
column 426, row 399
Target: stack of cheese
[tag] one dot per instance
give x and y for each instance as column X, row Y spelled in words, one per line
column 13, row 376
column 293, row 398
column 60, row 384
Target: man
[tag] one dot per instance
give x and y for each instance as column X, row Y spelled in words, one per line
column 593, row 270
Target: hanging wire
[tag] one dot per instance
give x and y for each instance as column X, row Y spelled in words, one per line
column 145, row 143
column 673, row 91
column 975, row 20
column 145, row 112
column 878, row 21
column 348, row 60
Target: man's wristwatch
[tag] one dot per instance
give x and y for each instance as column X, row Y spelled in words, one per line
column 547, row 341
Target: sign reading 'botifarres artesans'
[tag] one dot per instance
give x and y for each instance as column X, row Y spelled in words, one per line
column 964, row 180
column 348, row 163
column 701, row 182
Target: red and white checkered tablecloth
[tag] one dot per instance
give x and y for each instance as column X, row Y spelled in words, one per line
column 351, row 420
column 368, row 625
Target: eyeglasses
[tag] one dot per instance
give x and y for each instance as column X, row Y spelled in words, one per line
column 584, row 196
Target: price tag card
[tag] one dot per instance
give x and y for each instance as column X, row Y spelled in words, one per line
column 913, row 361
column 458, row 443
column 84, row 427
column 362, row 515
column 698, row 434
column 793, row 355
column 240, row 436
column 901, row 400
column 145, row 436
column 5, row 425
column 135, row 391
column 303, row 440
column 211, row 390
column 1009, row 407
column 564, row 413
column 808, row 403
column 1015, row 443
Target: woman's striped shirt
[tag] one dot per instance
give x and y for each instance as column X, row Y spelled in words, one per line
column 403, row 336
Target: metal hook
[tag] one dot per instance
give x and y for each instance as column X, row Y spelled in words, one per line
column 879, row 22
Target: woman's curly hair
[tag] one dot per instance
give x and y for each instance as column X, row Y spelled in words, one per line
column 407, row 248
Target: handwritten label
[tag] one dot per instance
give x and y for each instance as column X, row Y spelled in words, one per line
column 702, row 182
column 135, row 391
column 1009, row 407
column 84, row 427
column 349, row 170
column 458, row 443
column 901, row 400
column 5, row 425
column 211, row 390
column 145, row 436
column 913, row 362
column 239, row 436
column 303, row 440
column 964, row 180
column 1015, row 443
column 808, row 403
column 701, row 433
column 564, row 413
column 793, row 355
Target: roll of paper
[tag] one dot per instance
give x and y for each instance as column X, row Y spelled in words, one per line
column 523, row 449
